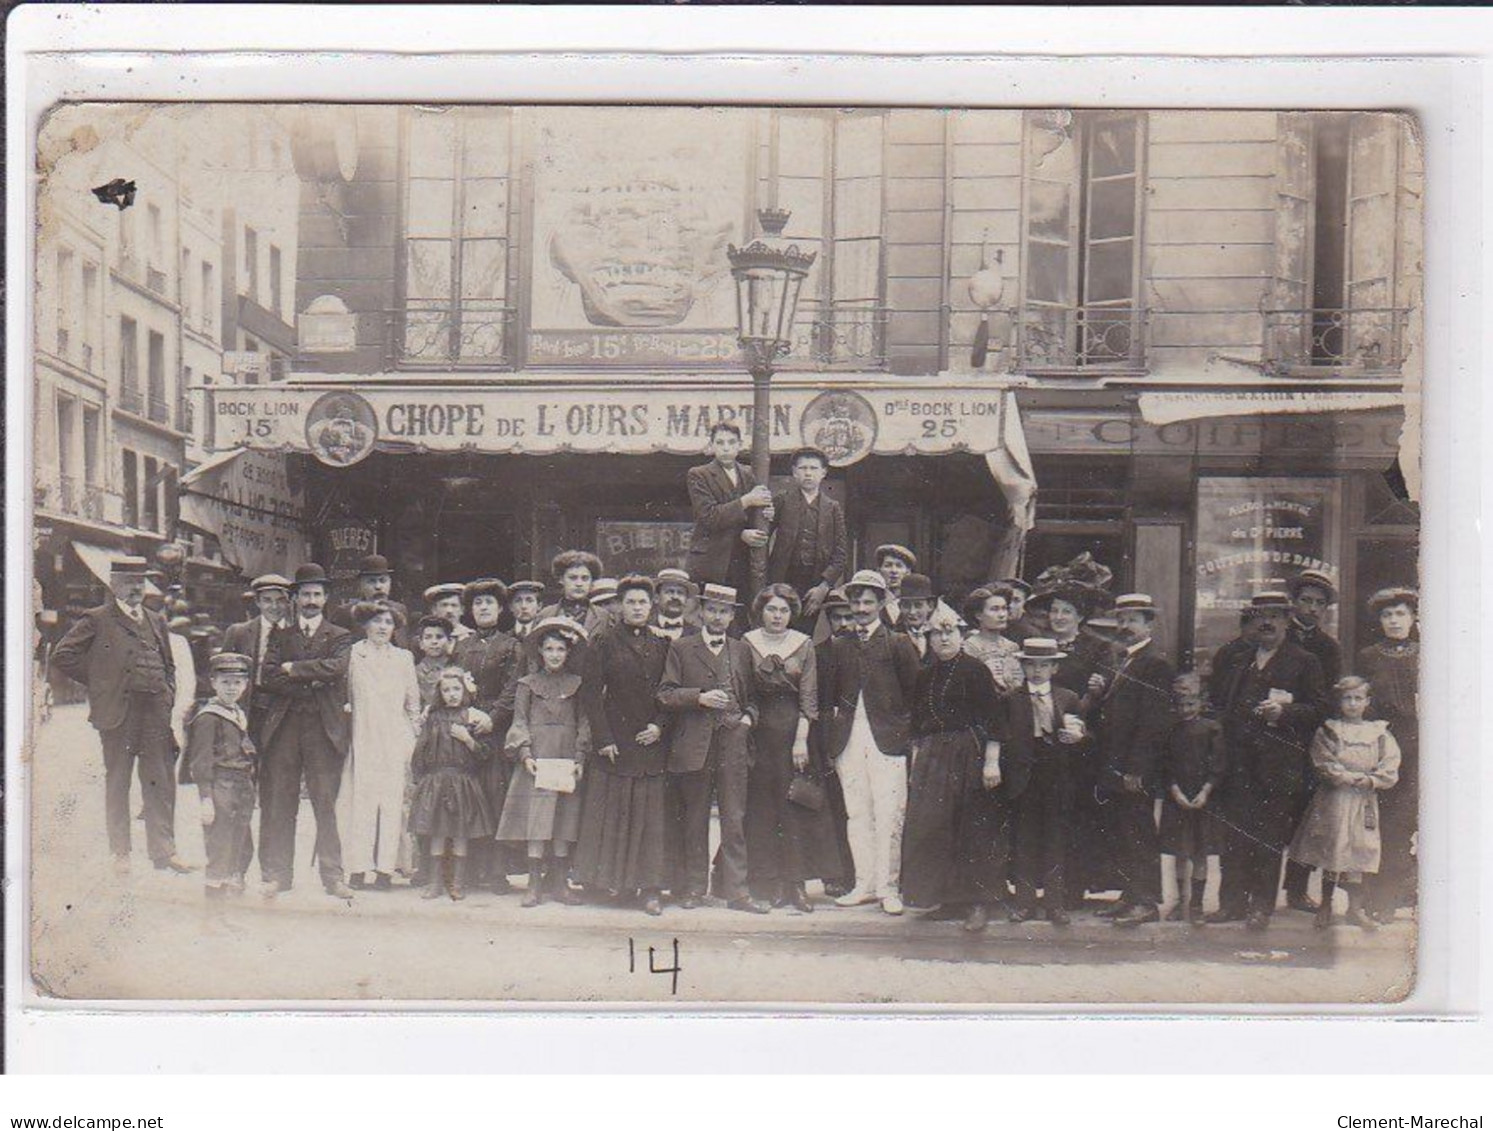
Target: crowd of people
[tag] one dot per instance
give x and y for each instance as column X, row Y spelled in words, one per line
column 1010, row 751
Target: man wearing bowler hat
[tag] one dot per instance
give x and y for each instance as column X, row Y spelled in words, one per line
column 918, row 602
column 252, row 638
column 121, row 653
column 1270, row 698
column 1134, row 719
column 306, row 732
column 375, row 583
column 708, row 690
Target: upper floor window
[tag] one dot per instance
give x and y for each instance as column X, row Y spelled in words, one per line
column 129, row 366
column 66, row 305
column 1083, row 174
column 251, row 263
column 275, row 282
column 455, row 283
column 825, row 167
column 1334, row 303
column 88, row 320
column 209, row 298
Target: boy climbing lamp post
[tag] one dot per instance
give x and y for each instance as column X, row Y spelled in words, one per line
column 769, row 275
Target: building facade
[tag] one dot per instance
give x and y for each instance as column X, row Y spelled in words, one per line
column 1189, row 332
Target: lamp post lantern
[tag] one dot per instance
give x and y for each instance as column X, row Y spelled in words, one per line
column 768, row 278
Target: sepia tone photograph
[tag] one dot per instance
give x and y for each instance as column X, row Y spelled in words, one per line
column 688, row 556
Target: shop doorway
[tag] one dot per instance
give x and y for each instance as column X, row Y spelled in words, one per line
column 472, row 543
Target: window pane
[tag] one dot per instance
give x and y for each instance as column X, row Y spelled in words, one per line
column 1050, row 211
column 481, row 335
column 805, row 199
column 427, row 335
column 429, row 272
column 1112, row 147
column 801, row 145
column 432, row 143
column 430, row 207
column 1047, row 274
column 482, row 269
column 1111, row 273
column 857, row 270
column 858, row 145
column 486, row 144
column 485, row 207
column 1112, row 209
column 858, row 208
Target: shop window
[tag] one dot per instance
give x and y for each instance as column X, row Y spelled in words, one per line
column 456, row 238
column 825, row 168
column 1083, row 181
column 1333, row 299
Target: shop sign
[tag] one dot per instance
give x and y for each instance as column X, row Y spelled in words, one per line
column 345, row 543
column 1254, row 535
column 643, row 547
column 342, row 427
column 326, row 326
column 250, row 502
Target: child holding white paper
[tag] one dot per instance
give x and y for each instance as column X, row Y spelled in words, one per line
column 448, row 807
column 550, row 738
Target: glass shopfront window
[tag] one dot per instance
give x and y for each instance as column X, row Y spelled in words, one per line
column 1254, row 535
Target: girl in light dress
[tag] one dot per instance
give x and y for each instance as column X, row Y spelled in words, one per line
column 1355, row 759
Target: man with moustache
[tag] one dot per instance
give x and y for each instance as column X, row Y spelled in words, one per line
column 375, row 584
column 306, row 733
column 121, row 653
column 671, row 615
column 1270, row 698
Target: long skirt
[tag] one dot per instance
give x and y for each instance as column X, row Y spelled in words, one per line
column 786, row 842
column 531, row 814
column 956, row 838
column 624, row 828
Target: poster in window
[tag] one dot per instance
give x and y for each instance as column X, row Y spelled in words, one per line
column 642, row 547
column 1254, row 535
column 633, row 210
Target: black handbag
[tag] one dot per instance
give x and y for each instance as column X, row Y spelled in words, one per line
column 807, row 793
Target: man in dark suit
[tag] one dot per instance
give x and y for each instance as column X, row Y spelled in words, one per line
column 1312, row 594
column 306, row 731
column 375, row 584
column 1038, row 735
column 252, row 638
column 918, row 602
column 1134, row 719
column 722, row 495
column 1270, row 699
column 809, row 543
column 120, row 651
column 707, row 688
column 671, row 615
column 866, row 706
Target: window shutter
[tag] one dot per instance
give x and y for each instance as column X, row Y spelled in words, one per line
column 1050, row 161
column 1373, row 176
column 1289, row 326
column 856, row 252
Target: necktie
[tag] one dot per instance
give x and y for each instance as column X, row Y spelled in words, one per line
column 1042, row 712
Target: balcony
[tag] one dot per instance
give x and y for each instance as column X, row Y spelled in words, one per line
column 131, row 401
column 70, row 496
column 848, row 334
column 475, row 335
column 1365, row 342
column 157, row 411
column 1085, row 340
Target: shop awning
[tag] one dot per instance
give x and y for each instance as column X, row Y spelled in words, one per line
column 1168, row 408
column 97, row 559
column 251, row 503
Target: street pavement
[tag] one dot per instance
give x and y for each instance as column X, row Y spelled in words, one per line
column 152, row 936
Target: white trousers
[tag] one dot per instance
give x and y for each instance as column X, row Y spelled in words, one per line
column 875, row 788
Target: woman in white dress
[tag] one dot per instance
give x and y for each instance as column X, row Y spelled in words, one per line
column 384, row 698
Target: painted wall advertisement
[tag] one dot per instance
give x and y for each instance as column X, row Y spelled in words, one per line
column 633, row 210
column 1254, row 535
column 253, row 503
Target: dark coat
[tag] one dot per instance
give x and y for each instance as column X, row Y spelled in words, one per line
column 716, row 550
column 1274, row 755
column 216, row 743
column 492, row 658
column 1135, row 717
column 690, row 669
column 243, row 638
column 318, row 673
column 831, row 546
column 1328, row 651
column 886, row 668
column 100, row 651
column 1018, row 740
column 620, row 694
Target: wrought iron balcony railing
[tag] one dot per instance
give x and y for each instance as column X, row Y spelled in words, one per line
column 65, row 494
column 1366, row 341
column 157, row 410
column 848, row 333
column 478, row 334
column 131, row 401
column 1044, row 337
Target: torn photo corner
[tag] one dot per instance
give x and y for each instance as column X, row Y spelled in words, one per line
column 895, row 428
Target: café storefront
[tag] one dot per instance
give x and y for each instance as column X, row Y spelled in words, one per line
column 457, row 480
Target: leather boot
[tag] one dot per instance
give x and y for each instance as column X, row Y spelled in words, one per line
column 435, row 883
column 535, row 895
column 560, row 883
column 459, row 878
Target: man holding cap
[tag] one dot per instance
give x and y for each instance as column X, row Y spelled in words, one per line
column 121, row 653
column 252, row 638
column 375, row 584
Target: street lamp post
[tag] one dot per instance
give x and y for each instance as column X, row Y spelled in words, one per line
column 768, row 278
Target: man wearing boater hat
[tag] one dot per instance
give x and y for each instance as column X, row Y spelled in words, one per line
column 375, row 583
column 1134, row 718
column 1270, row 699
column 121, row 653
column 671, row 615
column 306, row 733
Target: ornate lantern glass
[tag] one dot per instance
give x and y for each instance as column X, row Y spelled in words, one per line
column 768, row 278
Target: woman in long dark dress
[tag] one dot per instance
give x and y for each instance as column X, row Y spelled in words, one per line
column 956, row 837
column 1090, row 861
column 1392, row 666
column 787, row 843
column 490, row 654
column 624, row 813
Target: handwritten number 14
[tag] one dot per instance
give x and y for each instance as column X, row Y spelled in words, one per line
column 653, row 967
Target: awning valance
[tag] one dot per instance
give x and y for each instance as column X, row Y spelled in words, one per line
column 97, row 559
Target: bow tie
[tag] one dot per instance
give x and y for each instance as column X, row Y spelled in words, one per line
column 714, row 643
column 665, row 623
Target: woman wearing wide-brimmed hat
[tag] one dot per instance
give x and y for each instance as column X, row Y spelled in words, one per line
column 1392, row 665
column 384, row 698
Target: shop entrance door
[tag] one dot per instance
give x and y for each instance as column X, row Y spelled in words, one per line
column 472, row 544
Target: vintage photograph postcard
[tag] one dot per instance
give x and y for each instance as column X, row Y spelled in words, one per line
column 710, row 556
